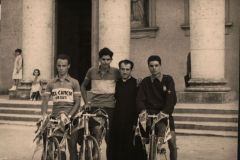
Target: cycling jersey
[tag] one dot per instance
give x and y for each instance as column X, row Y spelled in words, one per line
column 63, row 93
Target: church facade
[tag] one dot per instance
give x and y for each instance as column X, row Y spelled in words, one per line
column 198, row 40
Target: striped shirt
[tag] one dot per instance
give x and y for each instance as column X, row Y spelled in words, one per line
column 103, row 86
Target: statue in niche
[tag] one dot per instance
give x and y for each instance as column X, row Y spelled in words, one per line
column 138, row 13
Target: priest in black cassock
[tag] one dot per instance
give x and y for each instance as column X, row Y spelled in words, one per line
column 125, row 116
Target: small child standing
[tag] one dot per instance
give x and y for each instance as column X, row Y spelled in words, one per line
column 17, row 69
column 36, row 86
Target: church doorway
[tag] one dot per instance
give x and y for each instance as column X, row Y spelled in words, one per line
column 73, row 34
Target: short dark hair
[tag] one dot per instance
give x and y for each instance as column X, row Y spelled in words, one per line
column 154, row 58
column 64, row 56
column 126, row 61
column 105, row 52
column 37, row 71
column 18, row 50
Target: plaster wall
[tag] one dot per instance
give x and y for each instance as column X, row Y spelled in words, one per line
column 170, row 43
column 10, row 39
column 173, row 46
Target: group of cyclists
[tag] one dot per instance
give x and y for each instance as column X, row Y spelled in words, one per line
column 121, row 96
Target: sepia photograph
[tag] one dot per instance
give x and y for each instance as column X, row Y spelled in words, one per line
column 119, row 79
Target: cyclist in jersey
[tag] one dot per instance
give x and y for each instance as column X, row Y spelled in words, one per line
column 65, row 92
column 103, row 80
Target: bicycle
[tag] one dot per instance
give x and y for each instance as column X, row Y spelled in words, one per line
column 54, row 136
column 155, row 143
column 90, row 146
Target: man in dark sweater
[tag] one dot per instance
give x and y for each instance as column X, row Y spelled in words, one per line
column 125, row 116
column 157, row 95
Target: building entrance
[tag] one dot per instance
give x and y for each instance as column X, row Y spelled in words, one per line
column 73, row 34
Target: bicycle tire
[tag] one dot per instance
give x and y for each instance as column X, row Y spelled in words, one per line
column 52, row 150
column 86, row 150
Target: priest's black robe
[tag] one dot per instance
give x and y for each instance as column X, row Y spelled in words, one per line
column 125, row 116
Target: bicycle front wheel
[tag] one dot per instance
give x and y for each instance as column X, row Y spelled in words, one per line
column 90, row 149
column 52, row 150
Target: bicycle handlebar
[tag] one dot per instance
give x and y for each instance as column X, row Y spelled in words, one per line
column 152, row 116
column 54, row 120
column 155, row 116
column 89, row 115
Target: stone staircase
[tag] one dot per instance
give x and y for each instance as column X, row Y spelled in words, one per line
column 193, row 119
column 22, row 112
column 207, row 119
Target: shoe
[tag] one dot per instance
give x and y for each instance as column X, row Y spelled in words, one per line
column 13, row 88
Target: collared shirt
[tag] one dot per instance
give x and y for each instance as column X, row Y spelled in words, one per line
column 156, row 95
column 103, row 84
column 159, row 77
column 125, row 80
column 63, row 92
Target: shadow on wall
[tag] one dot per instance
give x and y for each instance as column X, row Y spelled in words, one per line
column 187, row 77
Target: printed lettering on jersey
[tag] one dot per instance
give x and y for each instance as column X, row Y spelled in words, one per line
column 62, row 95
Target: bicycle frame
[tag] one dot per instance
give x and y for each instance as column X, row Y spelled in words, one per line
column 153, row 139
column 52, row 132
column 86, row 117
column 89, row 142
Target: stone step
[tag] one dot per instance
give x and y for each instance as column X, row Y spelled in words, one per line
column 227, row 108
column 177, row 116
column 23, row 104
column 206, row 117
column 19, row 117
column 182, row 127
column 27, row 111
column 198, row 110
column 193, row 119
column 180, row 131
column 177, row 110
column 221, row 106
column 23, row 123
column 216, row 126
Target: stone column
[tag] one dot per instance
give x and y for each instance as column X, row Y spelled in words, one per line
column 207, row 38
column 114, row 28
column 37, row 44
column 37, row 37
